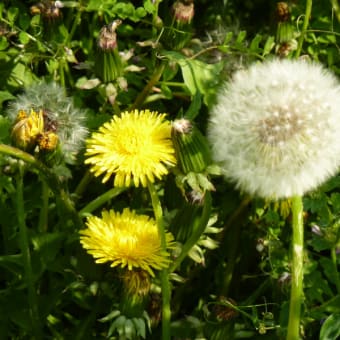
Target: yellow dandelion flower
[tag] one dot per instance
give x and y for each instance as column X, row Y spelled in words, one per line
column 126, row 239
column 136, row 147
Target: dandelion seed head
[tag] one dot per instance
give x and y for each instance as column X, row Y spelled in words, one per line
column 278, row 141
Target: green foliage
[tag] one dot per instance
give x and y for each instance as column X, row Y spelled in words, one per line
column 230, row 264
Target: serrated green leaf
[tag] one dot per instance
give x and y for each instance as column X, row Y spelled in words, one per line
column 330, row 329
column 112, row 315
column 241, row 36
column 228, row 38
column 268, row 46
column 254, row 45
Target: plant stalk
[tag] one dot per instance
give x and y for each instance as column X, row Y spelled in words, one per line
column 308, row 12
column 164, row 273
column 154, row 79
column 296, row 293
column 100, row 200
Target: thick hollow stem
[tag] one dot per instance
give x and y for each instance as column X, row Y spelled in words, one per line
column 297, row 270
column 164, row 274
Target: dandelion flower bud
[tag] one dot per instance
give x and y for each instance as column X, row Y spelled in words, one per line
column 191, row 148
column 183, row 11
column 108, row 64
column 275, row 128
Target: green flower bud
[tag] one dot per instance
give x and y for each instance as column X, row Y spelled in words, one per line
column 108, row 63
column 191, row 148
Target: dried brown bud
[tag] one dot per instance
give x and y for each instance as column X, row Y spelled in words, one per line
column 48, row 9
column 183, row 11
column 282, row 12
column 107, row 40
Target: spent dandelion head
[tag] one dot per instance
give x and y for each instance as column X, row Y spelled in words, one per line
column 43, row 116
column 135, row 146
column 275, row 128
column 125, row 239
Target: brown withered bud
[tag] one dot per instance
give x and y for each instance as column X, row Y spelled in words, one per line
column 107, row 40
column 49, row 10
column 282, row 12
column 183, row 11
column 222, row 310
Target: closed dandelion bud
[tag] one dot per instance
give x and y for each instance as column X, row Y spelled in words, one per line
column 183, row 11
column 49, row 10
column 108, row 63
column 285, row 30
column 179, row 29
column 191, row 148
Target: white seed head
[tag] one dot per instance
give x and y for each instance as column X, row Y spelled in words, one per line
column 67, row 120
column 285, row 140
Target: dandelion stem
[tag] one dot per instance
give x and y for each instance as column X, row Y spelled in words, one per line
column 335, row 265
column 26, row 255
column 297, row 270
column 43, row 217
column 197, row 233
column 84, row 182
column 164, row 274
column 100, row 200
column 154, row 79
column 305, row 24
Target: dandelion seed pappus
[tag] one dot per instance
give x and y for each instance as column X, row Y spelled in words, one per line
column 49, row 123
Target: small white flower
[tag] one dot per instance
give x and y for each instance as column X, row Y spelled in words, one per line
column 275, row 128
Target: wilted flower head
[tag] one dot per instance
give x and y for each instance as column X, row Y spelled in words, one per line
column 275, row 128
column 107, row 39
column 126, row 240
column 135, row 146
column 46, row 105
column 183, row 11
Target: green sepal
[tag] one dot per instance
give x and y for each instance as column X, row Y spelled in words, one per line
column 191, row 148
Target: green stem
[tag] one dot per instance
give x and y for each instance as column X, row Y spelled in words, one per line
column 26, row 255
column 49, row 176
column 336, row 9
column 100, row 200
column 197, row 233
column 305, row 24
column 154, row 79
column 335, row 266
column 164, row 274
column 43, row 217
column 84, row 182
column 297, row 270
